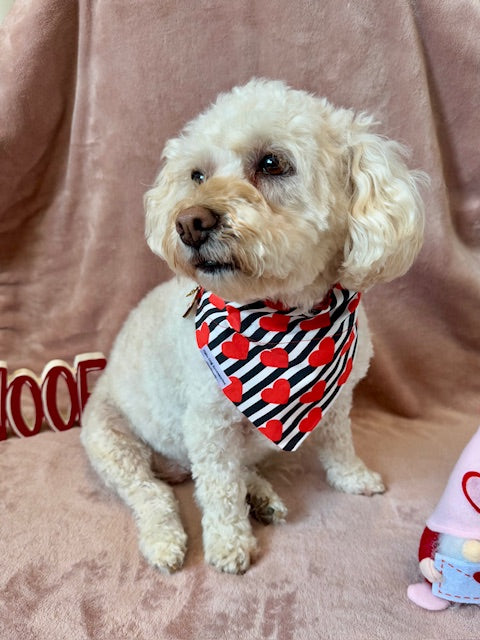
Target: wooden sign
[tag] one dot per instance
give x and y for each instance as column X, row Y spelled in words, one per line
column 43, row 392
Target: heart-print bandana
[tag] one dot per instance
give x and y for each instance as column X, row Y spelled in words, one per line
column 281, row 367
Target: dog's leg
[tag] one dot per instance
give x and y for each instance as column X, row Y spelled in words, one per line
column 124, row 463
column 215, row 446
column 265, row 505
column 345, row 471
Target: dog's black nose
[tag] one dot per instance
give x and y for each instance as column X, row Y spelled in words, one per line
column 194, row 225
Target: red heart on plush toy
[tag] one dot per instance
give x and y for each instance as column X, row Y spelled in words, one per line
column 476, row 576
column 471, row 488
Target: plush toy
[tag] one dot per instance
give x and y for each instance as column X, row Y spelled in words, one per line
column 449, row 552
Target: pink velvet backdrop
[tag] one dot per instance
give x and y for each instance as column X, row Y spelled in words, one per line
column 89, row 92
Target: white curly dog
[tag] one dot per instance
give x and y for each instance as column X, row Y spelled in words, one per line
column 271, row 193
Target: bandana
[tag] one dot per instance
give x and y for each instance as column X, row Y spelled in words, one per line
column 281, row 367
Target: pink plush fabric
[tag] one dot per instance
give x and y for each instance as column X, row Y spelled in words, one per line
column 89, row 92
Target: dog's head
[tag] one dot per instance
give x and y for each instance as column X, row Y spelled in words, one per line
column 274, row 193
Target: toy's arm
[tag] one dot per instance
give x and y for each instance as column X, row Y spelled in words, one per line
column 426, row 552
column 428, row 544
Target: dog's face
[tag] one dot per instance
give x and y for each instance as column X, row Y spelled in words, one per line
column 273, row 193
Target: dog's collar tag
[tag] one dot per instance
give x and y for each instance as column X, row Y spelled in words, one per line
column 194, row 294
column 282, row 368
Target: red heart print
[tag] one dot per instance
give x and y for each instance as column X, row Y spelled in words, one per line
column 476, row 576
column 233, row 317
column 237, row 348
column 279, row 393
column 348, row 343
column 325, row 304
column 276, row 322
column 217, row 302
column 276, row 304
column 202, row 335
column 315, row 394
column 353, row 304
column 310, row 421
column 273, row 429
column 317, row 322
column 471, row 488
column 324, row 353
column 275, row 358
column 346, row 372
column 234, row 390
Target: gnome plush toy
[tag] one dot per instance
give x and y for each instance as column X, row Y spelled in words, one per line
column 449, row 552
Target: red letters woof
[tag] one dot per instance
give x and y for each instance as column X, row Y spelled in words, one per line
column 44, row 394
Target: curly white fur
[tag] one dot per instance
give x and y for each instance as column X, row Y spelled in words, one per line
column 346, row 208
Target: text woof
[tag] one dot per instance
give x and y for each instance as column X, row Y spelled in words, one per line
column 42, row 395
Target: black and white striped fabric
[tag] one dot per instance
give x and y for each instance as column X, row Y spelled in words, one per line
column 282, row 368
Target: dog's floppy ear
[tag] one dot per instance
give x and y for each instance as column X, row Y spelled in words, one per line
column 385, row 212
column 156, row 202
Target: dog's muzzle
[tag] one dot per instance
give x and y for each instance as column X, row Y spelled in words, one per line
column 195, row 224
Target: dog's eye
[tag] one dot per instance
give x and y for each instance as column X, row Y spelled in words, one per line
column 273, row 165
column 198, row 176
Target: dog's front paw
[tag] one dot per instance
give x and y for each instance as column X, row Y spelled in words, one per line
column 163, row 544
column 267, row 509
column 357, row 479
column 230, row 551
column 265, row 505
